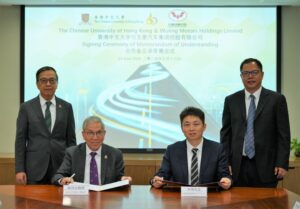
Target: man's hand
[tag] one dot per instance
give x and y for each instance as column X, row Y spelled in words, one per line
column 66, row 180
column 127, row 178
column 280, row 172
column 21, row 178
column 157, row 181
column 225, row 183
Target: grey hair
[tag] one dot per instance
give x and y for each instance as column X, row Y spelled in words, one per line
column 92, row 119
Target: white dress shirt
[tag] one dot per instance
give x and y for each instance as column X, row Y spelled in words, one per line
column 247, row 102
column 189, row 151
column 52, row 109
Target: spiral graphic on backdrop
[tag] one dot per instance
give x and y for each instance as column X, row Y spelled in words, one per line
column 144, row 110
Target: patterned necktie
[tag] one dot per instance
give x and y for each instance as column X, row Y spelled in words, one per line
column 194, row 168
column 48, row 115
column 249, row 136
column 94, row 178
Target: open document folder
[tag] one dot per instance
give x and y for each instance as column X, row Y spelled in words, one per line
column 106, row 186
column 179, row 184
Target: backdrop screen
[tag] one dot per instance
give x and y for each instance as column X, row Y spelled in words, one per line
column 139, row 67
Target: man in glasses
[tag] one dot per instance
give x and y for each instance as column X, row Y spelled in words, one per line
column 91, row 162
column 256, row 131
column 45, row 128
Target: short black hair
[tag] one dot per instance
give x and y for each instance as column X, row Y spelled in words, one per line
column 192, row 111
column 249, row 60
column 45, row 68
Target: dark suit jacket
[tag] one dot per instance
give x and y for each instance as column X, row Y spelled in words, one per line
column 271, row 132
column 35, row 146
column 214, row 163
column 112, row 165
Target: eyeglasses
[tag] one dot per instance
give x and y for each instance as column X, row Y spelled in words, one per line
column 45, row 81
column 248, row 73
column 92, row 134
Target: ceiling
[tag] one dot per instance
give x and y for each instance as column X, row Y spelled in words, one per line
column 155, row 2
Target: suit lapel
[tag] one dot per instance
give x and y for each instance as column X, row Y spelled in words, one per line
column 59, row 112
column 39, row 112
column 204, row 160
column 38, row 109
column 81, row 162
column 104, row 158
column 261, row 102
column 242, row 108
column 206, row 152
column 182, row 158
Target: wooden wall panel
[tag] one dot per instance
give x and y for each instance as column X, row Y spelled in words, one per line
column 142, row 167
column 7, row 170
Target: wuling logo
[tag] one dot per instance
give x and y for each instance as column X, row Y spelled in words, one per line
column 177, row 15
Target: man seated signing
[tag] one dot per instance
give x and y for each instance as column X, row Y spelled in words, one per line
column 196, row 160
column 91, row 162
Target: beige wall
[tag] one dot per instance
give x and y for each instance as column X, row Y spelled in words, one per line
column 10, row 70
column 290, row 64
column 9, row 75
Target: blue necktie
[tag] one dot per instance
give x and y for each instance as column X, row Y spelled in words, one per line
column 94, row 178
column 249, row 136
column 194, row 168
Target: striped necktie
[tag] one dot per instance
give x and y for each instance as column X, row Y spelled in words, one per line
column 48, row 115
column 194, row 168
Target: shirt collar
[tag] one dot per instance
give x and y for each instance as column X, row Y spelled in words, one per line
column 88, row 150
column 256, row 94
column 43, row 101
column 190, row 147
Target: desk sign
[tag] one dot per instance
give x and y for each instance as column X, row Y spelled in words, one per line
column 297, row 205
column 76, row 189
column 194, row 191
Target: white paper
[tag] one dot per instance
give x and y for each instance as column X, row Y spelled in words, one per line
column 76, row 188
column 95, row 187
column 108, row 186
column 194, row 191
column 297, row 205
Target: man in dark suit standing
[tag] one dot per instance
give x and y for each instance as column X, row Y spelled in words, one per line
column 45, row 128
column 195, row 160
column 256, row 131
column 91, row 162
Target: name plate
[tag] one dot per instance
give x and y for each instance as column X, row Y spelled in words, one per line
column 194, row 191
column 76, row 189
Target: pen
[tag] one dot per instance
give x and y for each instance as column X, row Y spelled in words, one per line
column 72, row 175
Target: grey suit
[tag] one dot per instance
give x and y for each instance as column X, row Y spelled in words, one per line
column 271, row 133
column 214, row 163
column 35, row 146
column 112, row 165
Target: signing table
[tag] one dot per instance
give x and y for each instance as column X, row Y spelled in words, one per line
column 140, row 197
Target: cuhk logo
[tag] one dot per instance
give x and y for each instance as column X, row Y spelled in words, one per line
column 85, row 17
column 178, row 15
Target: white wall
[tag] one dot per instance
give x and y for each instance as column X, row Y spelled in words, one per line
column 10, row 70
